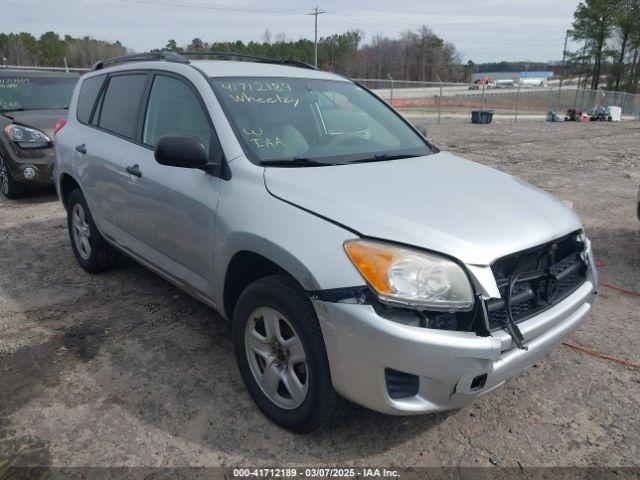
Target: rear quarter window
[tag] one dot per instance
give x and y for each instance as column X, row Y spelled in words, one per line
column 88, row 94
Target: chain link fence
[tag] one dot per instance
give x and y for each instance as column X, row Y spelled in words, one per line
column 435, row 102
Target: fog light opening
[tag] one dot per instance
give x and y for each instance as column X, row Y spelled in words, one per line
column 401, row 384
column 30, row 172
column 479, row 382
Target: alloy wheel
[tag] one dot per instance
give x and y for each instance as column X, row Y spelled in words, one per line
column 277, row 358
column 81, row 231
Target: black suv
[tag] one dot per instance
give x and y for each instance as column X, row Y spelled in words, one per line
column 31, row 103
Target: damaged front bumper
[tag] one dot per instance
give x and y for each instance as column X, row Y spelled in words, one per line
column 446, row 368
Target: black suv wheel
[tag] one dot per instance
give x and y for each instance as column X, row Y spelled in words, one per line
column 9, row 187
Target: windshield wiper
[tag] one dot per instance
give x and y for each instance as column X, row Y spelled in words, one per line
column 383, row 157
column 294, row 162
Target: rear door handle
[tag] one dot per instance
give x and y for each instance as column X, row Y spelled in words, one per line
column 82, row 149
column 134, row 170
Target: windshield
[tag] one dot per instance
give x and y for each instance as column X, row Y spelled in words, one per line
column 304, row 122
column 21, row 91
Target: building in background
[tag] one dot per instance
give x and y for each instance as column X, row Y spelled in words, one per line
column 509, row 79
column 535, row 79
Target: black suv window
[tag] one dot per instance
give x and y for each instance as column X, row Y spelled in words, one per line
column 88, row 94
column 174, row 109
column 119, row 113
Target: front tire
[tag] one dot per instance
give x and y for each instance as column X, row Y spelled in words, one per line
column 281, row 355
column 91, row 250
column 8, row 186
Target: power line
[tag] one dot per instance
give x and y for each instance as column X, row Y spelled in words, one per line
column 395, row 25
column 418, row 18
column 351, row 18
column 218, row 7
column 339, row 17
column 445, row 32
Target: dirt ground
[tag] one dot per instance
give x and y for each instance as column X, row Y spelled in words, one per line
column 123, row 369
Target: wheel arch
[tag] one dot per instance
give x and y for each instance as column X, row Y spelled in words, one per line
column 247, row 265
column 67, row 184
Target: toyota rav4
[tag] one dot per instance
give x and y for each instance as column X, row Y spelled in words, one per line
column 353, row 258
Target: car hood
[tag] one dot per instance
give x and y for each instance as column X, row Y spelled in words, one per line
column 43, row 120
column 439, row 202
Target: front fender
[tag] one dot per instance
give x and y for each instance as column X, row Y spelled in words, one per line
column 308, row 247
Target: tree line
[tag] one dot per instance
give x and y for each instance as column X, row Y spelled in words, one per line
column 415, row 55
column 610, row 33
column 51, row 50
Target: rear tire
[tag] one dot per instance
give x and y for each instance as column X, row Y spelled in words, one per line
column 91, row 250
column 8, row 186
column 285, row 367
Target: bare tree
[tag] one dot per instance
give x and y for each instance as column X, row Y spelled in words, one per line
column 416, row 55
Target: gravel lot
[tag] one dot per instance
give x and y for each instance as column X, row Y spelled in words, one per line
column 123, row 369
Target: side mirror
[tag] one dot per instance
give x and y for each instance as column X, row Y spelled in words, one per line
column 422, row 130
column 181, row 151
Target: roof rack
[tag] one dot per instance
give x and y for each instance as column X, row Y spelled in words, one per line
column 183, row 58
column 141, row 57
column 255, row 58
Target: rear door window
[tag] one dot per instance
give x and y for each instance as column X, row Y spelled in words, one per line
column 120, row 104
column 88, row 93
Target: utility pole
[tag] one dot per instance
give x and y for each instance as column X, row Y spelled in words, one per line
column 564, row 55
column 315, row 12
column 582, row 57
column 515, row 120
column 439, row 100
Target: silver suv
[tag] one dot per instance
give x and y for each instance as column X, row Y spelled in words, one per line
column 353, row 258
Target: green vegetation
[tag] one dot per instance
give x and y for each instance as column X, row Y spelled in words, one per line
column 50, row 50
column 610, row 30
column 419, row 55
column 415, row 55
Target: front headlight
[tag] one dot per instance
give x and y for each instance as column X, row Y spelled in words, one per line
column 411, row 278
column 27, row 137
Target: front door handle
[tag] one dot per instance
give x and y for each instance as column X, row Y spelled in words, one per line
column 82, row 149
column 134, row 170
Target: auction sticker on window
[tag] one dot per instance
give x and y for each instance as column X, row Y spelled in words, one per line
column 12, row 82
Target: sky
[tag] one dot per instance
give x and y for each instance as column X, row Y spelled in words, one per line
column 482, row 30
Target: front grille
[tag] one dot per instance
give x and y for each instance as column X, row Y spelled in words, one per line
column 540, row 278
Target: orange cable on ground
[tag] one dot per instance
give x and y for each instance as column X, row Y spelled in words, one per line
column 601, row 355
column 600, row 263
column 619, row 289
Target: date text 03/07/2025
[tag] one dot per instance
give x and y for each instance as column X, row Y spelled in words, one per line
column 315, row 472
